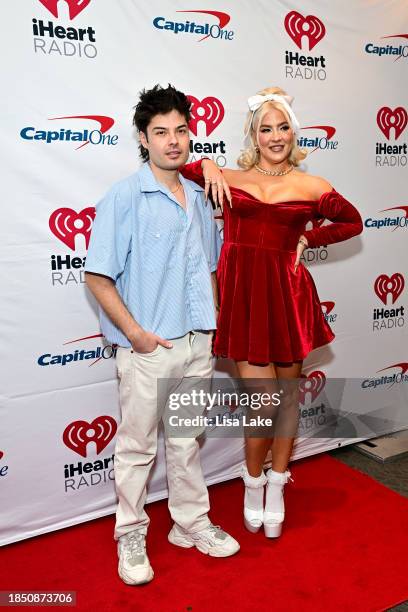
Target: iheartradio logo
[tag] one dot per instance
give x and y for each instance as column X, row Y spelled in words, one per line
column 66, row 224
column 74, row 6
column 311, row 27
column 312, row 384
column 387, row 119
column 389, row 285
column 210, row 110
column 78, row 434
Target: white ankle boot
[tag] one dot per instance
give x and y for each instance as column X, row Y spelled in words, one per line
column 253, row 500
column 274, row 513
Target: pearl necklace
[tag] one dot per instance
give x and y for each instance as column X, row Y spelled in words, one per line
column 274, row 173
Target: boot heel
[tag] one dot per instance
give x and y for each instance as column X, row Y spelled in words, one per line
column 272, row 530
column 274, row 514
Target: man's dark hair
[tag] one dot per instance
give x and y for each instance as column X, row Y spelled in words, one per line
column 158, row 101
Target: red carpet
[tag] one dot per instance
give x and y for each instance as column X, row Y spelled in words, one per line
column 344, row 546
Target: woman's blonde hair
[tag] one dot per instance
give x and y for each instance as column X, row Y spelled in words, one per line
column 250, row 155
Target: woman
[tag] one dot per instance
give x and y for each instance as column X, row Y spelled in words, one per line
column 270, row 315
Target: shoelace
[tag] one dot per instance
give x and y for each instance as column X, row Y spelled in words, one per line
column 135, row 544
column 215, row 530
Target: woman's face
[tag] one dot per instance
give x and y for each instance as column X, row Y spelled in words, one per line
column 275, row 137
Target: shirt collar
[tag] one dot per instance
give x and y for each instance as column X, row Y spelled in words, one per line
column 148, row 182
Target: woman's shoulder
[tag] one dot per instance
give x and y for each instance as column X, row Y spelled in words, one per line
column 316, row 185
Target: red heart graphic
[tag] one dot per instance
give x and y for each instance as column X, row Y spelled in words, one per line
column 210, row 110
column 393, row 285
column 66, row 224
column 313, row 384
column 387, row 119
column 102, row 429
column 74, row 6
column 297, row 26
column 1, row 454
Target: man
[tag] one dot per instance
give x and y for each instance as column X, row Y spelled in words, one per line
column 151, row 266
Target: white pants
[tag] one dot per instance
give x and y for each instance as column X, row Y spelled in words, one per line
column 142, row 408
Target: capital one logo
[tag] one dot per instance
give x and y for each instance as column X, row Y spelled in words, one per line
column 74, row 6
column 324, row 142
column 401, row 221
column 387, row 119
column 298, row 26
column 389, row 285
column 86, row 136
column 66, row 224
column 210, row 110
column 403, row 367
column 78, row 434
column 313, row 384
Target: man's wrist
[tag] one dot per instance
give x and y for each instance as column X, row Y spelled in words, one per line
column 135, row 334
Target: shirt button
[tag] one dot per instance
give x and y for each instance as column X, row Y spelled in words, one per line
column 157, row 235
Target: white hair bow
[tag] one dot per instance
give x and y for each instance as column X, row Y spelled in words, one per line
column 255, row 102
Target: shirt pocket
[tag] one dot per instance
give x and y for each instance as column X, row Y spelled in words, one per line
column 160, row 249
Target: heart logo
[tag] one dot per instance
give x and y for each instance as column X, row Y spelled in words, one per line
column 313, row 384
column 74, row 6
column 393, row 285
column 210, row 110
column 66, row 224
column 297, row 26
column 387, row 119
column 78, row 434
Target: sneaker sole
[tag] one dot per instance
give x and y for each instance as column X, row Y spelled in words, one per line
column 206, row 550
column 132, row 581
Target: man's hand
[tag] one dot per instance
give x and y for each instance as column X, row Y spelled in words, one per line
column 146, row 342
column 215, row 181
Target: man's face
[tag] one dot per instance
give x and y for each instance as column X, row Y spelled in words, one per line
column 167, row 140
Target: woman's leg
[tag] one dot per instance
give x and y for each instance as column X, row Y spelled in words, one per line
column 257, row 444
column 256, row 448
column 287, row 421
column 280, row 438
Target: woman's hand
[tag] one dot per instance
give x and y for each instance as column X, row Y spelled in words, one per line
column 215, row 181
column 301, row 246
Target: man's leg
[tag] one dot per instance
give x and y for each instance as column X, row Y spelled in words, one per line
column 188, row 495
column 136, row 440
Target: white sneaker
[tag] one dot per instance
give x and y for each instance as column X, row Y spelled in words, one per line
column 134, row 565
column 211, row 541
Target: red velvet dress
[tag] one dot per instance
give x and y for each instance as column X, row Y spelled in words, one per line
column 269, row 312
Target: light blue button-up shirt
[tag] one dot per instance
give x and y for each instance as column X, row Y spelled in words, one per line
column 159, row 255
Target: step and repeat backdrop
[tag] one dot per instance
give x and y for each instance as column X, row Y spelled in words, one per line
column 73, row 70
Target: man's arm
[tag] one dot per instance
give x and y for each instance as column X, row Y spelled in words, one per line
column 104, row 290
